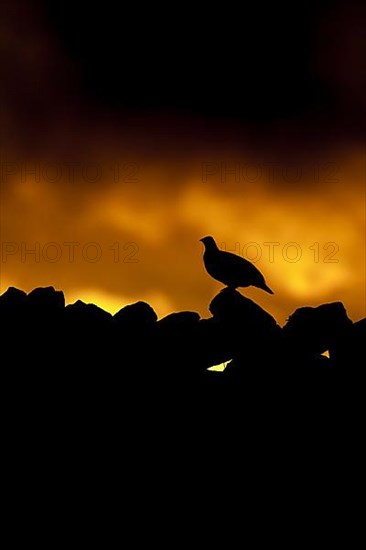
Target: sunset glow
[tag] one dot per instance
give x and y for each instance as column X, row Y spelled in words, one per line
column 147, row 235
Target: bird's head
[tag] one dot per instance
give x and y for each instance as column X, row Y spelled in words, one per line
column 209, row 242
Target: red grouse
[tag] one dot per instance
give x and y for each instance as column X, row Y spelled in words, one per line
column 230, row 269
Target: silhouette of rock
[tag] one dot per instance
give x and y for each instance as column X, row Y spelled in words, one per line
column 231, row 307
column 138, row 314
column 134, row 328
column 314, row 330
column 348, row 349
column 82, row 355
column 80, row 312
column 46, row 298
column 360, row 331
column 359, row 341
column 12, row 298
column 12, row 313
column 88, row 332
column 213, row 345
column 246, row 333
column 175, row 344
column 180, row 318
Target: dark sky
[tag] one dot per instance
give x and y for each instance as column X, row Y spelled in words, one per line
column 257, row 63
column 300, row 64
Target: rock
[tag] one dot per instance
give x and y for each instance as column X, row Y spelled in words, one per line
column 176, row 342
column 180, row 318
column 348, row 349
column 138, row 314
column 245, row 333
column 314, row 330
column 46, row 298
column 81, row 312
column 12, row 298
column 360, row 330
column 212, row 346
column 359, row 340
column 232, row 308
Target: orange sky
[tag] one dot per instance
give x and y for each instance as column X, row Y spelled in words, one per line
column 165, row 205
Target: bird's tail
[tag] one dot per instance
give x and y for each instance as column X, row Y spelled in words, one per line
column 267, row 289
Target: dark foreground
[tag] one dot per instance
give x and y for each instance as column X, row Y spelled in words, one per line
column 81, row 357
column 116, row 421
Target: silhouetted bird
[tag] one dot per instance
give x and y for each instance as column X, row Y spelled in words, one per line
column 230, row 269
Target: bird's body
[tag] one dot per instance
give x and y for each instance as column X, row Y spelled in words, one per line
column 230, row 269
